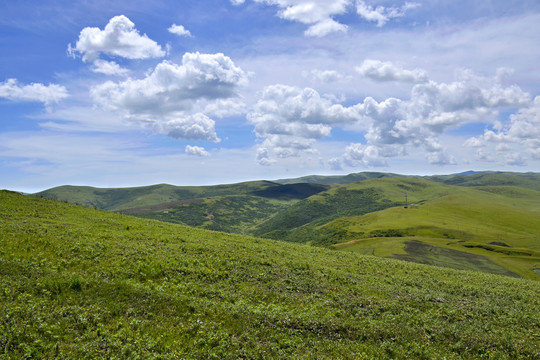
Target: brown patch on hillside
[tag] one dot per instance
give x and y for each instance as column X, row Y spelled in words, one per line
column 158, row 207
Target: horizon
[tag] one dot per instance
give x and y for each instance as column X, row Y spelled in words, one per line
column 269, row 180
column 220, row 92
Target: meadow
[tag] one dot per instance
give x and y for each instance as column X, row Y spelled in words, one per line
column 486, row 221
column 82, row 283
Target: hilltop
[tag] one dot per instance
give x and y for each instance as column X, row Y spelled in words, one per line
column 83, row 283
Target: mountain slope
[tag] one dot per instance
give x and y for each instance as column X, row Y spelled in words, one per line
column 128, row 198
column 81, row 283
column 499, row 223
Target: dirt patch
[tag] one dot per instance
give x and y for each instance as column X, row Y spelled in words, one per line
column 159, row 207
column 439, row 256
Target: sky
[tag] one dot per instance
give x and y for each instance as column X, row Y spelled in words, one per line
column 133, row 93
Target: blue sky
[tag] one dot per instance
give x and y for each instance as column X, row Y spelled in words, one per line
column 129, row 93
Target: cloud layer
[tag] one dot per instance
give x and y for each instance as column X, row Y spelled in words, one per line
column 47, row 94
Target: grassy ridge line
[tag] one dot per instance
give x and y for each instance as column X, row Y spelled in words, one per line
column 127, row 198
column 81, row 283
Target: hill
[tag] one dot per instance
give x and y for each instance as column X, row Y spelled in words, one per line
column 493, row 229
column 82, row 283
column 128, row 198
column 472, row 179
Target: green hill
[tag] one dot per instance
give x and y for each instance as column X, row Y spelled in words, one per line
column 494, row 229
column 128, row 198
column 82, row 283
column 525, row 180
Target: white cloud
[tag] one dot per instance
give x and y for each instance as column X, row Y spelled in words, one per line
column 47, row 94
column 474, row 142
column 196, row 151
column 316, row 13
column 118, row 38
column 522, row 130
column 109, row 68
column 366, row 155
column 291, row 119
column 186, row 126
column 319, row 14
column 167, row 100
column 433, row 109
column 441, row 158
column 387, row 71
column 381, row 14
column 222, row 108
column 325, row 27
column 179, row 30
column 325, row 76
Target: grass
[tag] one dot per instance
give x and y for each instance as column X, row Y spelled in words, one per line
column 82, row 283
column 466, row 220
column 457, row 221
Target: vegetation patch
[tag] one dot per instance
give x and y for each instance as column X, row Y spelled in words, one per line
column 422, row 253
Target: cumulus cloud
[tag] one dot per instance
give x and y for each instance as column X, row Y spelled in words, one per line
column 522, row 130
column 196, row 151
column 167, row 99
column 318, row 14
column 290, row 119
column 381, row 14
column 366, row 155
column 118, row 38
column 186, row 126
column 432, row 109
column 386, row 71
column 47, row 94
column 109, row 68
column 179, row 30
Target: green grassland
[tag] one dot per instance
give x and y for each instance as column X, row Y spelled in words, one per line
column 82, row 283
column 488, row 221
column 500, row 224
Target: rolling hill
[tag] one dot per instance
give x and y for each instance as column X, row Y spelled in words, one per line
column 499, row 225
column 82, row 283
column 485, row 221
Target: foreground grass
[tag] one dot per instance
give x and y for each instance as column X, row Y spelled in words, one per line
column 81, row 283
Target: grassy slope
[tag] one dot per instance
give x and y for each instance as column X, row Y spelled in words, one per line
column 233, row 213
column 351, row 199
column 81, row 283
column 457, row 218
column 466, row 220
